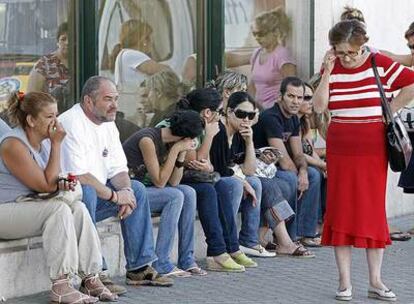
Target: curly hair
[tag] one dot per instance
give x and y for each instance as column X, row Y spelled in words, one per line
column 275, row 21
column 186, row 123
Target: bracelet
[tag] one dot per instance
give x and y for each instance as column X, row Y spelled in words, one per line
column 179, row 164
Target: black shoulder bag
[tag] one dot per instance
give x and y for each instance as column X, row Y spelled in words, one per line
column 398, row 143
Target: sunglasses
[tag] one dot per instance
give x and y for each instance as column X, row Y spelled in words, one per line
column 410, row 46
column 307, row 97
column 243, row 114
column 259, row 33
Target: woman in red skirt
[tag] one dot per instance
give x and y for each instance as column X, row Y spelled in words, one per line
column 356, row 151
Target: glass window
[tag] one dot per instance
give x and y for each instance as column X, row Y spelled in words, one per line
column 144, row 46
column 33, row 57
column 278, row 42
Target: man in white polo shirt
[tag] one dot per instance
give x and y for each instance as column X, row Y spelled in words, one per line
column 93, row 152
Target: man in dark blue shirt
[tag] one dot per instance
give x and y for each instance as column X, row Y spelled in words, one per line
column 279, row 127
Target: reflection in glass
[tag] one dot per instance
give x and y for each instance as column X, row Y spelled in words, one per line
column 28, row 31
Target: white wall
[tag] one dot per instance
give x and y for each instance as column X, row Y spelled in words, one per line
column 386, row 22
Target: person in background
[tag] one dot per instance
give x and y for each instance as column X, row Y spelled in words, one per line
column 93, row 152
column 30, row 164
column 164, row 90
column 307, row 118
column 279, row 127
column 272, row 62
column 156, row 158
column 227, row 83
column 235, row 136
column 51, row 73
column 132, row 63
column 357, row 165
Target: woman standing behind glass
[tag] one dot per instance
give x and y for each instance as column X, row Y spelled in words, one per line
column 272, row 61
column 356, row 151
column 132, row 62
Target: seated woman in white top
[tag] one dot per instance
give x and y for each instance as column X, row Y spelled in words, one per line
column 30, row 164
column 132, row 63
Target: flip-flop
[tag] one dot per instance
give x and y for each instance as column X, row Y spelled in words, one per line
column 196, row 271
column 400, row 236
column 177, row 273
column 300, row 252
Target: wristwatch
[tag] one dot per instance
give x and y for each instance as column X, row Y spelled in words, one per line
column 179, row 164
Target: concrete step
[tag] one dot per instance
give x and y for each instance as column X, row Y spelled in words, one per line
column 23, row 264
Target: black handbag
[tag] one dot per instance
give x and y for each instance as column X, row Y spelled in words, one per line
column 197, row 176
column 398, row 143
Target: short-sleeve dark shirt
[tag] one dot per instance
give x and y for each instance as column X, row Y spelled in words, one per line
column 273, row 124
column 134, row 155
column 221, row 154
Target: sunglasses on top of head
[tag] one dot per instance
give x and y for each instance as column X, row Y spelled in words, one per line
column 243, row 114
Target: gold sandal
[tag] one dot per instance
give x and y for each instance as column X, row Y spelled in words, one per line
column 72, row 297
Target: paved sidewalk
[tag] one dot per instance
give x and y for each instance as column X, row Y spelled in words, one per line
column 282, row 280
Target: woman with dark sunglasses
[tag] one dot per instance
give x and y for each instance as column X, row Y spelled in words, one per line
column 271, row 207
column 309, row 123
column 215, row 201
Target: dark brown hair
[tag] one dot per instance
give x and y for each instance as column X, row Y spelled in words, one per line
column 348, row 31
column 62, row 30
column 410, row 31
column 19, row 106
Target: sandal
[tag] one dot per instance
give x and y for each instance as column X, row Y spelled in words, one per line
column 73, row 296
column 300, row 252
column 270, row 246
column 196, row 271
column 400, row 236
column 311, row 242
column 92, row 286
column 178, row 273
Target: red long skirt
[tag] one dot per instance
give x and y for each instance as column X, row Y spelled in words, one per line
column 357, row 176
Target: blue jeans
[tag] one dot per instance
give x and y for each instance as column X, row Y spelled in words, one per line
column 177, row 206
column 208, row 213
column 308, row 206
column 229, row 193
column 249, row 233
column 136, row 228
column 274, row 206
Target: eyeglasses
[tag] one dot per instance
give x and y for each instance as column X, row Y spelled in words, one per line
column 243, row 114
column 350, row 54
column 307, row 97
column 410, row 46
column 259, row 33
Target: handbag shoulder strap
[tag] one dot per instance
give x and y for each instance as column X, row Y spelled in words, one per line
column 384, row 101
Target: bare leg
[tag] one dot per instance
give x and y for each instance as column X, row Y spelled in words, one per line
column 343, row 257
column 286, row 245
column 374, row 258
column 262, row 235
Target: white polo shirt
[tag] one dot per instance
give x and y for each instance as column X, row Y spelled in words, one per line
column 91, row 148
